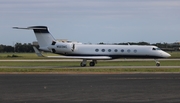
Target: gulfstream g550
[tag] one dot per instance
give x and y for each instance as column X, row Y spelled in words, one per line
column 92, row 52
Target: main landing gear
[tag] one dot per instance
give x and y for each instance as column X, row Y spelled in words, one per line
column 92, row 63
column 157, row 62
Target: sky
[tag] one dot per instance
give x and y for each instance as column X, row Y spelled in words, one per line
column 92, row 21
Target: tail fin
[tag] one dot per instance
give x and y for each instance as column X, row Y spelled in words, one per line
column 43, row 36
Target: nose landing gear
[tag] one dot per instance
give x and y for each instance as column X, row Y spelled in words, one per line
column 157, row 62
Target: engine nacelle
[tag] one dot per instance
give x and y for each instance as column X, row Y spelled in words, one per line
column 61, row 48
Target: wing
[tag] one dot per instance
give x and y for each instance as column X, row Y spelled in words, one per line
column 83, row 57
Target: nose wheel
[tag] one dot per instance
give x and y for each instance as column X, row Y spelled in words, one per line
column 157, row 62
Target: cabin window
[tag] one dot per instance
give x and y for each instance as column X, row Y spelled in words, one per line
column 115, row 50
column 128, row 50
column 109, row 50
column 103, row 50
column 96, row 50
column 122, row 50
column 135, row 51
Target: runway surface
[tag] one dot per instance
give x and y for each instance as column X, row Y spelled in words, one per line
column 84, row 88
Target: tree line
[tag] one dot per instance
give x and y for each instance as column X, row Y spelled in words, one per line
column 18, row 47
column 28, row 47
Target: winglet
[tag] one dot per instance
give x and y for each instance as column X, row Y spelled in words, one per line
column 38, row 53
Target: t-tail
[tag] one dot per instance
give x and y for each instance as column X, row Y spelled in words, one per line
column 43, row 36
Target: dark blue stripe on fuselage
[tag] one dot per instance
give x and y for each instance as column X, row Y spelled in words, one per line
column 117, row 56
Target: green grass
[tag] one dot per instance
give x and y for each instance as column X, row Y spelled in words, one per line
column 90, row 70
column 68, row 66
column 63, row 66
column 77, row 63
column 23, row 55
column 174, row 54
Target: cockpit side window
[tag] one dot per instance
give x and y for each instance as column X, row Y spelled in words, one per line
column 156, row 49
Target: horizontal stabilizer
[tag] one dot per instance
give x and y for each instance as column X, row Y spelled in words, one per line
column 31, row 27
column 36, row 29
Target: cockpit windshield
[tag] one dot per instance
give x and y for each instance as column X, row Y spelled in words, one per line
column 156, row 49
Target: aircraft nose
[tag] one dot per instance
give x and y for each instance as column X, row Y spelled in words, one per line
column 166, row 55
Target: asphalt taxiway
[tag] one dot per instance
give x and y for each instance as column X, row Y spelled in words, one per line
column 90, row 88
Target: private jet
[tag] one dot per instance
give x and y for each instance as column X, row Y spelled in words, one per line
column 93, row 52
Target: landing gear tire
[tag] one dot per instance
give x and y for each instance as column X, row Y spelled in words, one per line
column 158, row 64
column 82, row 65
column 91, row 64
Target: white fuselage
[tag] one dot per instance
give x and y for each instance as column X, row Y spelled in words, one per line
column 113, row 51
